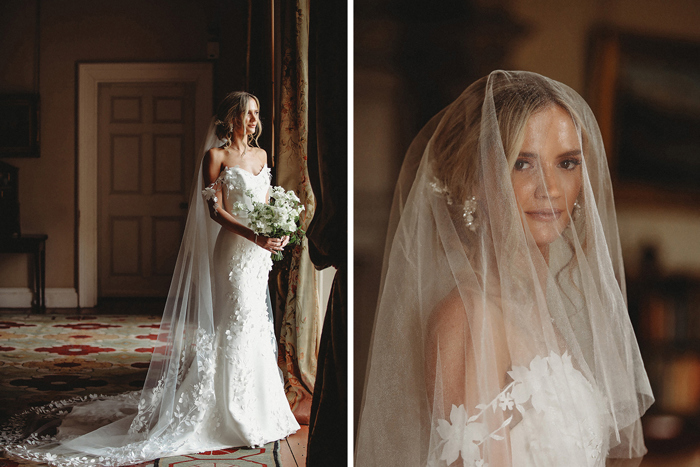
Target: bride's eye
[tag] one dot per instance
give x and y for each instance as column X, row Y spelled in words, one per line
column 569, row 164
column 521, row 164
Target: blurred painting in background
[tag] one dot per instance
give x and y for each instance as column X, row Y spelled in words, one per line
column 19, row 125
column 646, row 91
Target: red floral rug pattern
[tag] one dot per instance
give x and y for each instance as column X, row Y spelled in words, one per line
column 49, row 357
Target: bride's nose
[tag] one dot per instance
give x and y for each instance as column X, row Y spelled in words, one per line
column 549, row 184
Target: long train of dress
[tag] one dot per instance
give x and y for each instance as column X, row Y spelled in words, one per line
column 231, row 394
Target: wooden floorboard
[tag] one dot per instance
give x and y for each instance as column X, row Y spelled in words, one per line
column 293, row 449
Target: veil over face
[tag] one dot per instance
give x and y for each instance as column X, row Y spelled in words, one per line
column 502, row 335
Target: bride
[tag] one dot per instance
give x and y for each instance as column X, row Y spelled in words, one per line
column 502, row 336
column 216, row 384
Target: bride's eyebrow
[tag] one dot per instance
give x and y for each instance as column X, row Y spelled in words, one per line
column 573, row 152
column 532, row 155
column 528, row 155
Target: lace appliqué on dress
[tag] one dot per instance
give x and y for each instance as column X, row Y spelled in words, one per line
column 562, row 414
column 191, row 405
column 249, row 268
column 230, row 177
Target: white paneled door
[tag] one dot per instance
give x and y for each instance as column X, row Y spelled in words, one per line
column 145, row 168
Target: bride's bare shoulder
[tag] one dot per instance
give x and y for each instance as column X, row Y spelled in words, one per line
column 459, row 326
column 461, row 308
column 215, row 154
column 213, row 157
column 211, row 164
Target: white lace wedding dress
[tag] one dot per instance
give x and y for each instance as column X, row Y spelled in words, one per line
column 230, row 395
column 552, row 417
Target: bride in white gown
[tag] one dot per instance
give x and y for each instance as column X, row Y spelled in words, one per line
column 217, row 385
column 502, row 336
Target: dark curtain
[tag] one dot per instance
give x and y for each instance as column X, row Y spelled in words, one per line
column 327, row 162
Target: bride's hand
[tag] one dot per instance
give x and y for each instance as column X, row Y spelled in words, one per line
column 271, row 244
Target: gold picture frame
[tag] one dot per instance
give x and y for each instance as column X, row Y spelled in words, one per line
column 645, row 93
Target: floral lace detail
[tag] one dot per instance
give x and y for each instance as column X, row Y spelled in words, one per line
column 562, row 414
column 15, row 443
column 249, row 268
column 210, row 191
column 248, row 325
column 237, row 179
column 191, row 405
column 235, row 182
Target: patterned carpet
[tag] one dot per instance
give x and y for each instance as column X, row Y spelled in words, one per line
column 52, row 357
column 49, row 357
column 267, row 456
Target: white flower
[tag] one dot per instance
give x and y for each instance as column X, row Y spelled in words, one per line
column 531, row 383
column 461, row 437
column 278, row 218
column 208, row 193
column 505, row 401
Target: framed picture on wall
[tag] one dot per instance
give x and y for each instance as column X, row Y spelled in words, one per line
column 645, row 92
column 19, row 125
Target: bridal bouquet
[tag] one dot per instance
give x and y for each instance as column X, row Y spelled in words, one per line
column 278, row 218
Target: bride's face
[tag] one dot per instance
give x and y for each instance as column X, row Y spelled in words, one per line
column 251, row 119
column 546, row 176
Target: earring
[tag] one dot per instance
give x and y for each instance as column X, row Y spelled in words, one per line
column 575, row 210
column 469, row 210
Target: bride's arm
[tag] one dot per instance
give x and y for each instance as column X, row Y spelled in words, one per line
column 211, row 166
column 449, row 342
column 459, row 356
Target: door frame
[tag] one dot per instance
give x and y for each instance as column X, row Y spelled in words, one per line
column 90, row 76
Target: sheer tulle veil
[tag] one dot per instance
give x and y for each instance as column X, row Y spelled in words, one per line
column 155, row 422
column 488, row 348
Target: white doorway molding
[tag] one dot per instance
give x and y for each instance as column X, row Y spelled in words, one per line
column 90, row 76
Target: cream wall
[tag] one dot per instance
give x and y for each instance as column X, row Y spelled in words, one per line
column 73, row 31
column 556, row 42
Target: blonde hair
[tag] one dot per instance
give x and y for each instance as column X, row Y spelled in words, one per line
column 231, row 113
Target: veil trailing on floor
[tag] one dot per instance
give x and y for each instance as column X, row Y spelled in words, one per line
column 502, row 335
column 157, row 421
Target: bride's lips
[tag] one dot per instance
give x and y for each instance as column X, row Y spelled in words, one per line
column 544, row 215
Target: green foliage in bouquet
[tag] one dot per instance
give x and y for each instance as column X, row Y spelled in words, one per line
column 278, row 218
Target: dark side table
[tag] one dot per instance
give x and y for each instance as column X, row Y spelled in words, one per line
column 34, row 245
